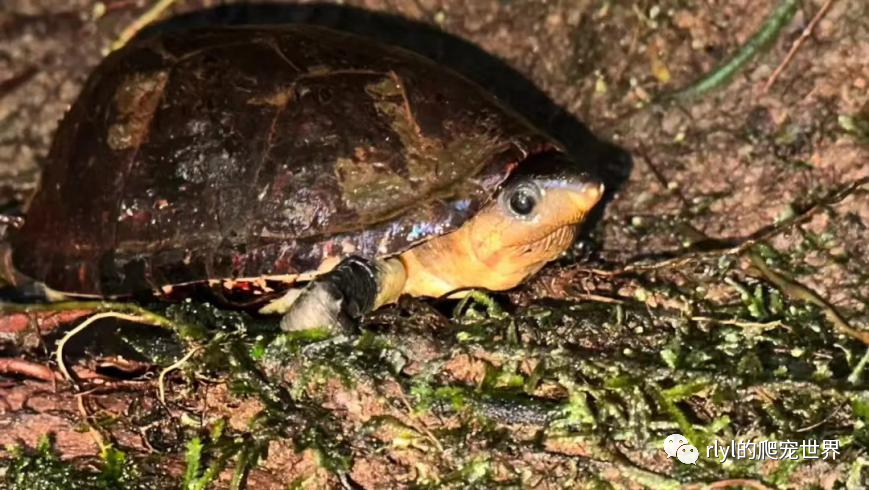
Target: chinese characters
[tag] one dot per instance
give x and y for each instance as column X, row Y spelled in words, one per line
column 762, row 450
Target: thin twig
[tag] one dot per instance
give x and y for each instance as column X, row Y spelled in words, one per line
column 768, row 32
column 27, row 368
column 58, row 353
column 857, row 373
column 146, row 18
column 740, row 323
column 10, row 84
column 798, row 43
column 739, row 482
column 596, row 298
column 741, row 244
column 177, row 364
column 418, row 424
column 822, row 422
column 92, row 429
column 798, row 291
column 91, row 306
column 662, row 180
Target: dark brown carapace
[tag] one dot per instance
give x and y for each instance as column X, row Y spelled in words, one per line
column 260, row 152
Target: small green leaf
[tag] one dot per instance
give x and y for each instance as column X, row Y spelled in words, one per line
column 193, row 459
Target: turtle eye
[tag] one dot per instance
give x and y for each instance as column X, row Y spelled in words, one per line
column 523, row 200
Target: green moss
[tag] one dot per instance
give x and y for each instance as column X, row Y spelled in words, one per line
column 193, row 461
column 749, row 363
column 857, row 124
column 40, row 468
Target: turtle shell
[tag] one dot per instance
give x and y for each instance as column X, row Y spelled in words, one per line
column 249, row 152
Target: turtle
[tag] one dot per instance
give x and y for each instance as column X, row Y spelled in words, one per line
column 351, row 171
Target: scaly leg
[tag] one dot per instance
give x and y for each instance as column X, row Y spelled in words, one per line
column 338, row 298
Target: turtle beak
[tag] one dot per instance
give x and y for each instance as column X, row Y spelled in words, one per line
column 583, row 190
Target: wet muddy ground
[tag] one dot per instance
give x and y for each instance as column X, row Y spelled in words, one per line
column 721, row 294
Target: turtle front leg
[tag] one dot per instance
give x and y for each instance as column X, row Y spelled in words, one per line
column 341, row 296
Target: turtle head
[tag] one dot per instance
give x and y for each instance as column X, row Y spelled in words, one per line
column 531, row 220
column 545, row 195
column 534, row 216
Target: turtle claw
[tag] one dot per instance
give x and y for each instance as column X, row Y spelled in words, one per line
column 317, row 306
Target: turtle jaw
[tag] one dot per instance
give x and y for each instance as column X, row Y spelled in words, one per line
column 571, row 200
column 584, row 192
